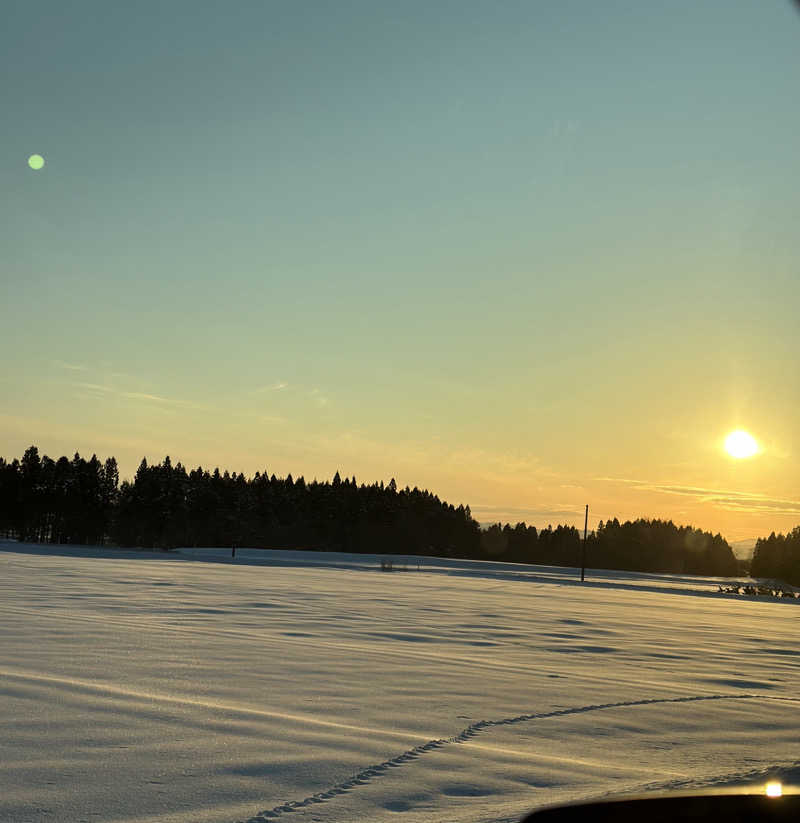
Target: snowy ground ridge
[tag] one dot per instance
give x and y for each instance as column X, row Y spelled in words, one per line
column 373, row 772
column 141, row 690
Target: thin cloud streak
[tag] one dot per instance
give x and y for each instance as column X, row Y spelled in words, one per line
column 109, row 391
column 279, row 386
column 318, row 396
column 729, row 500
column 95, row 387
column 70, row 366
column 137, row 395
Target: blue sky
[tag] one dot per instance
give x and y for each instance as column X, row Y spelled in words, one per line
column 502, row 250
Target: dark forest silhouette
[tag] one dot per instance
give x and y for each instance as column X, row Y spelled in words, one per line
column 778, row 557
column 81, row 501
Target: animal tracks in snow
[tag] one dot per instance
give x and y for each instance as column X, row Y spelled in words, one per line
column 373, row 772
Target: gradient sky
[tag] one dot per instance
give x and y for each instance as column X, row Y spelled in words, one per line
column 529, row 255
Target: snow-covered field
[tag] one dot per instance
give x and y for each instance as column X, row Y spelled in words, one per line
column 189, row 687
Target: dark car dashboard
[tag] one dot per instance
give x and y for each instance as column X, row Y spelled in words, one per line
column 726, row 807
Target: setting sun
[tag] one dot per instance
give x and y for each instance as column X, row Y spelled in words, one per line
column 740, row 444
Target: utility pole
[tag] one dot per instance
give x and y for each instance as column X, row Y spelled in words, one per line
column 583, row 552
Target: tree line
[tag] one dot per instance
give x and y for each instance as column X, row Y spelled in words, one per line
column 81, row 501
column 639, row 545
column 58, row 501
column 165, row 506
column 778, row 557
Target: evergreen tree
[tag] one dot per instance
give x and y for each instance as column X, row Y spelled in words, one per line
column 83, row 501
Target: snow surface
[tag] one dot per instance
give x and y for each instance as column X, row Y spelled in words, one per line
column 190, row 687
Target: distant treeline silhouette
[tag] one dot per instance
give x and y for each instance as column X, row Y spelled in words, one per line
column 640, row 545
column 58, row 501
column 81, row 501
column 778, row 557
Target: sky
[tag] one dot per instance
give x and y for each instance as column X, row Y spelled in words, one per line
column 529, row 255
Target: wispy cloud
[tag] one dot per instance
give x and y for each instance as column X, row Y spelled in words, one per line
column 317, row 395
column 723, row 499
column 279, row 386
column 95, row 387
column 70, row 366
column 153, row 398
column 99, row 390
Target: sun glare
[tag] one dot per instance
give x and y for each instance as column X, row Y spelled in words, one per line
column 740, row 444
column 774, row 789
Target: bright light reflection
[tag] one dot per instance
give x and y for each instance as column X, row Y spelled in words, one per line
column 774, row 789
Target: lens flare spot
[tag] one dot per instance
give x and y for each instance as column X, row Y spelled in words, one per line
column 36, row 162
column 774, row 789
column 741, row 444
